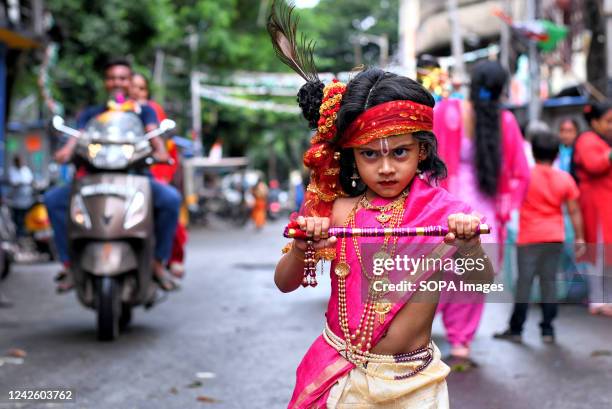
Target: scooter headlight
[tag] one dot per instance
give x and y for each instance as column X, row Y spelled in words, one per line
column 110, row 156
column 78, row 212
column 136, row 211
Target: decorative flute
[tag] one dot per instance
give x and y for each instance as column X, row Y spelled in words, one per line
column 293, row 231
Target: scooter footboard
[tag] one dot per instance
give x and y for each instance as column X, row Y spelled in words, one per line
column 108, row 258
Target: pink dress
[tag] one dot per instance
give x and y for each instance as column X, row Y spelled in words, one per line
column 482, row 204
column 322, row 365
column 461, row 317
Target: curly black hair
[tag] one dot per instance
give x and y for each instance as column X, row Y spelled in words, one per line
column 488, row 80
column 596, row 110
column 309, row 98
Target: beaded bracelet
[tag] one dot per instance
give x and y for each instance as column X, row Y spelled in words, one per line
column 310, row 266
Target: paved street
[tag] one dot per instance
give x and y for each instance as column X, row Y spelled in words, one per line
column 230, row 320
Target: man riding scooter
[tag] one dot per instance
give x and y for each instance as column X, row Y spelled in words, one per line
column 166, row 199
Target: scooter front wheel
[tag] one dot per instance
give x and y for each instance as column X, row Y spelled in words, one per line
column 108, row 308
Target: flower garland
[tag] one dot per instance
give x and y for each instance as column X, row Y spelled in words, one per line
column 328, row 112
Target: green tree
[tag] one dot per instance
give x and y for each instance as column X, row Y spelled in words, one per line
column 95, row 31
column 231, row 37
column 335, row 24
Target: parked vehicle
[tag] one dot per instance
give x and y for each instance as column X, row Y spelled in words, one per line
column 38, row 226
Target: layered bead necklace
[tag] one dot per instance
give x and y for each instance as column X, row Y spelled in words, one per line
column 359, row 352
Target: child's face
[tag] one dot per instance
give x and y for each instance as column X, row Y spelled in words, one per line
column 388, row 175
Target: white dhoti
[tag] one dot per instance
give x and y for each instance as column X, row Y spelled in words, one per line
column 374, row 389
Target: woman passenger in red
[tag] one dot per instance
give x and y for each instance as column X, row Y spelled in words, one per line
column 164, row 173
column 593, row 167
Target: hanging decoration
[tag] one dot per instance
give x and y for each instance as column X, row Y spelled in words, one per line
column 546, row 33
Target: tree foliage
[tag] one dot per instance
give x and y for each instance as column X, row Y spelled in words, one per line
column 95, row 31
column 230, row 36
column 335, row 24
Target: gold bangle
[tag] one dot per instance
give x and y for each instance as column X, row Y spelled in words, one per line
column 287, row 248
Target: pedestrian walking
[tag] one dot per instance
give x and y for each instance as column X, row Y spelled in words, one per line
column 570, row 270
column 260, row 206
column 541, row 236
column 21, row 194
column 568, row 133
column 593, row 168
column 482, row 147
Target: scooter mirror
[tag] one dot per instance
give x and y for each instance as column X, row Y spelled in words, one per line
column 58, row 122
column 167, row 125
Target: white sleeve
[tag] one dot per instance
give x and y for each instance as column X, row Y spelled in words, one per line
column 26, row 175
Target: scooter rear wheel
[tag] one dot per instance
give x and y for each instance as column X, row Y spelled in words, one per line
column 109, row 308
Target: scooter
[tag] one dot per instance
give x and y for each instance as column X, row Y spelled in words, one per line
column 110, row 221
column 38, row 226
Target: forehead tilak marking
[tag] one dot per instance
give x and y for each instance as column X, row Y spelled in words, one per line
column 384, row 146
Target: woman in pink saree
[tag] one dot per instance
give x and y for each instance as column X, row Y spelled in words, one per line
column 482, row 147
column 373, row 160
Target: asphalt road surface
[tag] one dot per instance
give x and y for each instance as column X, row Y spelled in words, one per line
column 230, row 339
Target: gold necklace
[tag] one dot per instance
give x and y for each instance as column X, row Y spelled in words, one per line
column 358, row 353
column 397, row 210
column 384, row 217
column 382, row 308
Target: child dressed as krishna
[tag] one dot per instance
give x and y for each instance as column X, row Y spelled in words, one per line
column 374, row 163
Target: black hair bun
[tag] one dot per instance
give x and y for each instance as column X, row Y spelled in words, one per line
column 595, row 110
column 309, row 98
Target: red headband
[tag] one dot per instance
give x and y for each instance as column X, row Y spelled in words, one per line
column 388, row 119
